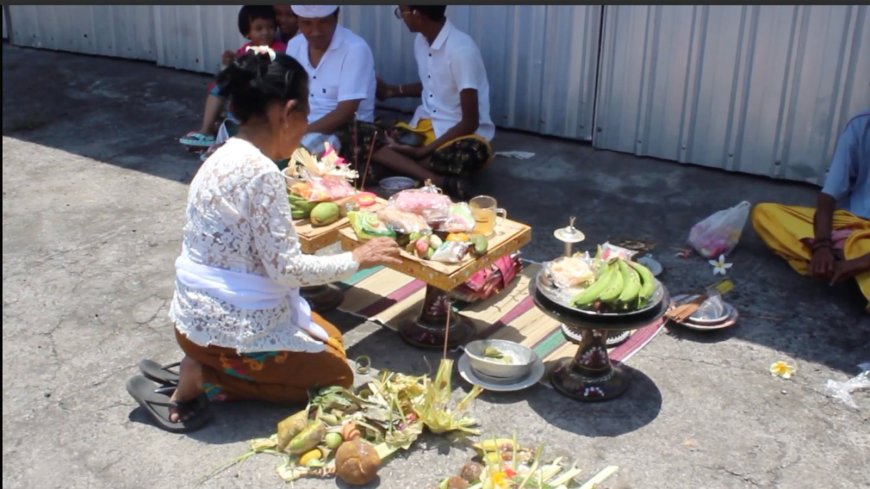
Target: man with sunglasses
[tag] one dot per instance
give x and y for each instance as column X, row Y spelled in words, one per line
column 453, row 121
column 341, row 78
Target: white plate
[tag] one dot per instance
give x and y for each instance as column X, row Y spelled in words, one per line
column 529, row 380
column 700, row 320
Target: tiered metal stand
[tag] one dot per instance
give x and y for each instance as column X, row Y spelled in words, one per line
column 590, row 376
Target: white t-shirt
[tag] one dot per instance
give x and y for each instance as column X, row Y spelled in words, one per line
column 238, row 219
column 345, row 72
column 451, row 64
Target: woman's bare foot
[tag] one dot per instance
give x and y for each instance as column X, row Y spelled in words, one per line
column 189, row 385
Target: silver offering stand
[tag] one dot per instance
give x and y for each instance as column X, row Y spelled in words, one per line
column 590, row 375
column 570, row 235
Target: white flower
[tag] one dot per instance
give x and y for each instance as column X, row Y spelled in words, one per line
column 262, row 50
column 719, row 266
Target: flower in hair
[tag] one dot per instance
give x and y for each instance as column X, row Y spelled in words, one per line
column 262, row 50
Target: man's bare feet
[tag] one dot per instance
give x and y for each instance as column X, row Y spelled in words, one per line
column 189, row 385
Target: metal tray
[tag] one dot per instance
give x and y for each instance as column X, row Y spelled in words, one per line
column 548, row 289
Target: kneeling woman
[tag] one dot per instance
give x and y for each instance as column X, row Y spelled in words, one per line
column 244, row 330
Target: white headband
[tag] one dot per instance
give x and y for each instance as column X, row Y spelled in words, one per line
column 262, row 50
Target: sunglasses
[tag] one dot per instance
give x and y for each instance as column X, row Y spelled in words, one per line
column 399, row 13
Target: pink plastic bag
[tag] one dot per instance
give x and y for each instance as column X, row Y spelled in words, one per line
column 719, row 233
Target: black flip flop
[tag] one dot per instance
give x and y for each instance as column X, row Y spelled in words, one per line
column 164, row 374
column 154, row 398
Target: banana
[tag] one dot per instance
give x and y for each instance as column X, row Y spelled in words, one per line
column 611, row 293
column 648, row 282
column 631, row 289
column 299, row 207
column 592, row 293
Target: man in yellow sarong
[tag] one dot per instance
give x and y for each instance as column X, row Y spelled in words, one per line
column 832, row 241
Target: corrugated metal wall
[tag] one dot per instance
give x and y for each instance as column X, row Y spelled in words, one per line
column 540, row 60
column 125, row 31
column 758, row 89
column 192, row 37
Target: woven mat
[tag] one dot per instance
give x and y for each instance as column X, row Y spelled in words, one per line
column 388, row 297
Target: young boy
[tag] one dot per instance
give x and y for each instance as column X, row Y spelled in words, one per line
column 257, row 24
column 287, row 21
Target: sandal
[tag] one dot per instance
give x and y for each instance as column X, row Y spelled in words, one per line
column 155, row 399
column 210, row 151
column 197, row 139
column 455, row 187
column 163, row 374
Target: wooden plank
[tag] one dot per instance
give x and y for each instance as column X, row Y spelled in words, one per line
column 509, row 237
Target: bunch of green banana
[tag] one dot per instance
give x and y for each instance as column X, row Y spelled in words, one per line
column 620, row 285
column 299, row 207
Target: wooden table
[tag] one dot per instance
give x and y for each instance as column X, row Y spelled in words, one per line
column 430, row 327
column 313, row 238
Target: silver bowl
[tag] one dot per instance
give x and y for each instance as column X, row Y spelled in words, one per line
column 521, row 359
column 392, row 185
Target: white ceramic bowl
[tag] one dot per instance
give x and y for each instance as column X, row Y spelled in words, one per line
column 522, row 359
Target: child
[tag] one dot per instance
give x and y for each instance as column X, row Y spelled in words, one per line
column 257, row 24
column 287, row 23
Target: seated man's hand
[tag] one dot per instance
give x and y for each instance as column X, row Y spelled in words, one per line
column 384, row 90
column 417, row 153
column 823, row 263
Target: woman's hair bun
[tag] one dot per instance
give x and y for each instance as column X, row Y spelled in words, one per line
column 255, row 79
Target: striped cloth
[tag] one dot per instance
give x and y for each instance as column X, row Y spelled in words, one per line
column 387, row 297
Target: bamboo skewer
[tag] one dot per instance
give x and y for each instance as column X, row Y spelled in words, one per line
column 362, row 183
column 446, row 330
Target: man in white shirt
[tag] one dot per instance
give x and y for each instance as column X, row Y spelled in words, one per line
column 341, row 77
column 453, row 120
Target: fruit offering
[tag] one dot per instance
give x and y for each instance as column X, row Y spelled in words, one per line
column 425, row 224
column 619, row 285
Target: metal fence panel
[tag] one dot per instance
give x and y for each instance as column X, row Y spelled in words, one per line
column 111, row 30
column 192, row 37
column 758, row 89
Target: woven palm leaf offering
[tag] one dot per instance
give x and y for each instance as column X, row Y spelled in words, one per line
column 349, row 433
column 502, row 463
column 321, row 189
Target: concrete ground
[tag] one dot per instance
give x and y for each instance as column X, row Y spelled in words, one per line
column 94, row 188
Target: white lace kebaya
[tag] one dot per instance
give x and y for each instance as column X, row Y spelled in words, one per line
column 238, row 220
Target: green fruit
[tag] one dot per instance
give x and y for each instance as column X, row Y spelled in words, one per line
column 308, row 438
column 611, row 293
column 631, row 289
column 324, row 214
column 648, row 281
column 480, row 244
column 590, row 294
column 332, row 440
column 299, row 207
